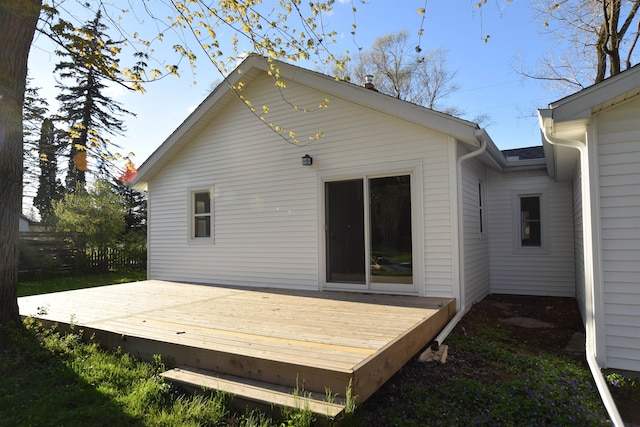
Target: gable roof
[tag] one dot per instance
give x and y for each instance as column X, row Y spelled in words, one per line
column 567, row 119
column 609, row 92
column 254, row 65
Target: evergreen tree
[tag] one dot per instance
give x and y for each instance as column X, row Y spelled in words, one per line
column 34, row 111
column 50, row 188
column 136, row 216
column 91, row 61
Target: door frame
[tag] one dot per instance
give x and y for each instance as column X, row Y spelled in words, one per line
column 414, row 170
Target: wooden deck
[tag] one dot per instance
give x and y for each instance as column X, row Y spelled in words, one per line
column 318, row 340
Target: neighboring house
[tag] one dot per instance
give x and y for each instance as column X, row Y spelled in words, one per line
column 26, row 224
column 397, row 199
column 592, row 141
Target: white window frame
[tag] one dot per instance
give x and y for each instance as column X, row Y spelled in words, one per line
column 192, row 215
column 482, row 210
column 517, row 224
column 414, row 170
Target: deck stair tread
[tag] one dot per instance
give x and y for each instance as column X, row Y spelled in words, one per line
column 255, row 391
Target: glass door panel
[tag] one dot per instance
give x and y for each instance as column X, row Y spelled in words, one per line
column 390, row 230
column 345, row 232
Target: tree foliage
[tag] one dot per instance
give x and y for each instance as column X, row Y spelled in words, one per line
column 50, row 188
column 594, row 39
column 34, row 111
column 90, row 58
column 404, row 72
column 95, row 217
column 135, row 203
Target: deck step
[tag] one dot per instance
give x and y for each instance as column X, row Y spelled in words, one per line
column 195, row 379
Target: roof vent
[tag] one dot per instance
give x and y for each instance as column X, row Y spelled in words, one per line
column 368, row 82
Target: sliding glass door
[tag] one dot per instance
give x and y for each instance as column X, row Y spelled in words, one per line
column 345, row 232
column 390, row 245
column 369, row 232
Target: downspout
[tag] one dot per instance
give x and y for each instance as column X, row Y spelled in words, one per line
column 462, row 310
column 546, row 124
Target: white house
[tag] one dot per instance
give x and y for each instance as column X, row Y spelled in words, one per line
column 592, row 141
column 26, row 224
column 284, row 177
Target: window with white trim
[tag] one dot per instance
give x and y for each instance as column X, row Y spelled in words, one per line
column 530, row 221
column 201, row 214
column 481, row 210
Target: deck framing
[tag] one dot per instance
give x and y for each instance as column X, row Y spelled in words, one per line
column 317, row 340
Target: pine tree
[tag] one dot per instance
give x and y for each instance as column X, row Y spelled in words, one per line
column 91, row 60
column 50, row 188
column 34, row 111
column 136, row 204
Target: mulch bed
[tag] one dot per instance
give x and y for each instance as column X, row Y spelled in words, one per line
column 538, row 325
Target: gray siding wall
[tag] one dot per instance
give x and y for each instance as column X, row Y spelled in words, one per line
column 267, row 206
column 619, row 197
column 548, row 271
column 476, row 243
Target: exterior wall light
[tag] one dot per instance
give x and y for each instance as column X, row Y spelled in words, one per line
column 307, row 160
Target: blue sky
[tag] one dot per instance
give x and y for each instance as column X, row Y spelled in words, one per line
column 484, row 74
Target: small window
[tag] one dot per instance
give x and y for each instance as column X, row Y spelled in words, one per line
column 481, row 207
column 201, row 214
column 530, row 222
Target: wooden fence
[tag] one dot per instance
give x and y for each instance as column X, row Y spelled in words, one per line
column 49, row 254
column 116, row 259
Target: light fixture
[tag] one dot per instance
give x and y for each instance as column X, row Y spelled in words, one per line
column 307, row 160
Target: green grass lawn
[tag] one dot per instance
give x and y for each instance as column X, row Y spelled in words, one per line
column 50, row 379
column 77, row 281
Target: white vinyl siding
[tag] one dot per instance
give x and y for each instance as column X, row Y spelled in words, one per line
column 618, row 143
column 476, row 248
column 267, row 204
column 547, row 271
column 578, row 241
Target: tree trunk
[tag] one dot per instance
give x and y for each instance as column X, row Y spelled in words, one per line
column 614, row 38
column 18, row 19
column 601, row 52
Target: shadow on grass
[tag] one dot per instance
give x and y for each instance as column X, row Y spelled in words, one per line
column 45, row 285
column 37, row 388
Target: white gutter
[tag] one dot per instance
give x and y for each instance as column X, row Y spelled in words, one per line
column 462, row 310
column 546, row 124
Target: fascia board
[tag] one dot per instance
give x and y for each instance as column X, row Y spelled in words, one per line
column 581, row 105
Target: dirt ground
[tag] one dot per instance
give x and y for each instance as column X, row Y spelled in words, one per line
column 538, row 324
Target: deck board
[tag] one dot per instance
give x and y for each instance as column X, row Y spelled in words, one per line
column 270, row 335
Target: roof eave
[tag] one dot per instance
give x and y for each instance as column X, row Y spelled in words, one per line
column 440, row 122
column 459, row 129
column 581, row 105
